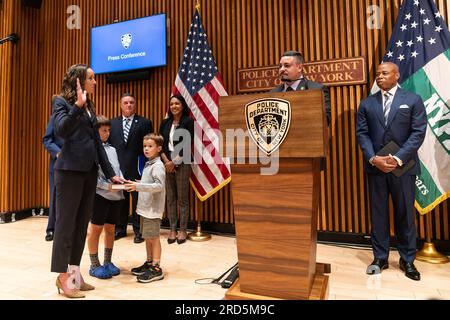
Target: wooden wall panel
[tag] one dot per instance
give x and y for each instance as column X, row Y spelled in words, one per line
column 5, row 100
column 242, row 34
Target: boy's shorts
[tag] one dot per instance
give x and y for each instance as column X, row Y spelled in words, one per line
column 150, row 227
column 105, row 211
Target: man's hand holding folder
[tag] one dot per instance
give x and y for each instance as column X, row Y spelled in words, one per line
column 385, row 162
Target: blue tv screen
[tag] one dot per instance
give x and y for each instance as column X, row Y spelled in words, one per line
column 129, row 45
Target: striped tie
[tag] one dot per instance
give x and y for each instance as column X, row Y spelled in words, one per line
column 387, row 106
column 126, row 130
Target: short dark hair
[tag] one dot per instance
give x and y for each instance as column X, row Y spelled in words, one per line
column 102, row 121
column 127, row 94
column 159, row 140
column 295, row 54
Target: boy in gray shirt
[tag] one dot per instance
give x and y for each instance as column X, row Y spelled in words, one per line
column 150, row 206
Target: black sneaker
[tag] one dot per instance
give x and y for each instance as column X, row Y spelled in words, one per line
column 141, row 270
column 152, row 274
column 138, row 238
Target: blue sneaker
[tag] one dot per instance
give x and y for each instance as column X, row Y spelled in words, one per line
column 112, row 269
column 100, row 273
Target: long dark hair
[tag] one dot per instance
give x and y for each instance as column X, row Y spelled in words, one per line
column 69, row 85
column 183, row 103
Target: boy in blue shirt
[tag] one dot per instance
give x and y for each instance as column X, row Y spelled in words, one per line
column 107, row 206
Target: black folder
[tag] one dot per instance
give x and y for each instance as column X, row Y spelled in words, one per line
column 391, row 149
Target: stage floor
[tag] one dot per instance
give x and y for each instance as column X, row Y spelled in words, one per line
column 25, row 270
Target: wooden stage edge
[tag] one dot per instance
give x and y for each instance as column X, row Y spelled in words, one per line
column 319, row 290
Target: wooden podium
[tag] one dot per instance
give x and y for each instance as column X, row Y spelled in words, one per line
column 276, row 215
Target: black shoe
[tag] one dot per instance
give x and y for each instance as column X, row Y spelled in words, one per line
column 138, row 238
column 170, row 241
column 120, row 234
column 181, row 241
column 49, row 236
column 152, row 274
column 409, row 269
column 141, row 270
column 377, row 266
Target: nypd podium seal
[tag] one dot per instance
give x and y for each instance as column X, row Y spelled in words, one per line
column 268, row 122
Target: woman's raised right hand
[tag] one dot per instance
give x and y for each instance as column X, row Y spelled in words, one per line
column 81, row 95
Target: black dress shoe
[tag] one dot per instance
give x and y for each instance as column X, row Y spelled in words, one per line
column 138, row 238
column 49, row 236
column 170, row 241
column 409, row 269
column 181, row 241
column 120, row 234
column 377, row 266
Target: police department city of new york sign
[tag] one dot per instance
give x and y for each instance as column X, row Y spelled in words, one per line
column 268, row 121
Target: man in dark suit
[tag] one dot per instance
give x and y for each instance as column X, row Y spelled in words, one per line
column 127, row 135
column 396, row 115
column 53, row 144
column 291, row 73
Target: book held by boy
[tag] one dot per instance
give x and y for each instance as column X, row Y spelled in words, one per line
column 118, row 186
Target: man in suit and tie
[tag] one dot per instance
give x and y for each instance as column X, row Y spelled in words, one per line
column 291, row 74
column 127, row 136
column 392, row 114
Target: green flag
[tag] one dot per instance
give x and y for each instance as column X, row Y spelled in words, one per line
column 420, row 46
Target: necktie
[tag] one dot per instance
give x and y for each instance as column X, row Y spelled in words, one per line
column 289, row 89
column 126, row 130
column 387, row 106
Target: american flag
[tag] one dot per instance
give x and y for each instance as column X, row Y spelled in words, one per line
column 420, row 35
column 201, row 85
column 420, row 46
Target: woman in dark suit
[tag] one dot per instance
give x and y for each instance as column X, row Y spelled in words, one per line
column 75, row 176
column 178, row 132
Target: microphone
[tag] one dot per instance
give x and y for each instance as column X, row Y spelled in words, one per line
column 13, row 37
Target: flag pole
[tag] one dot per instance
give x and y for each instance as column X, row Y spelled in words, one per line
column 429, row 253
column 199, row 236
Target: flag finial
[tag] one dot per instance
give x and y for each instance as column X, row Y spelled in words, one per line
column 197, row 5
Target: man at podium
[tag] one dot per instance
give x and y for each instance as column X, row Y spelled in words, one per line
column 291, row 128
column 291, row 74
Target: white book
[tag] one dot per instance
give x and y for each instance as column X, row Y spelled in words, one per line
column 117, row 187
